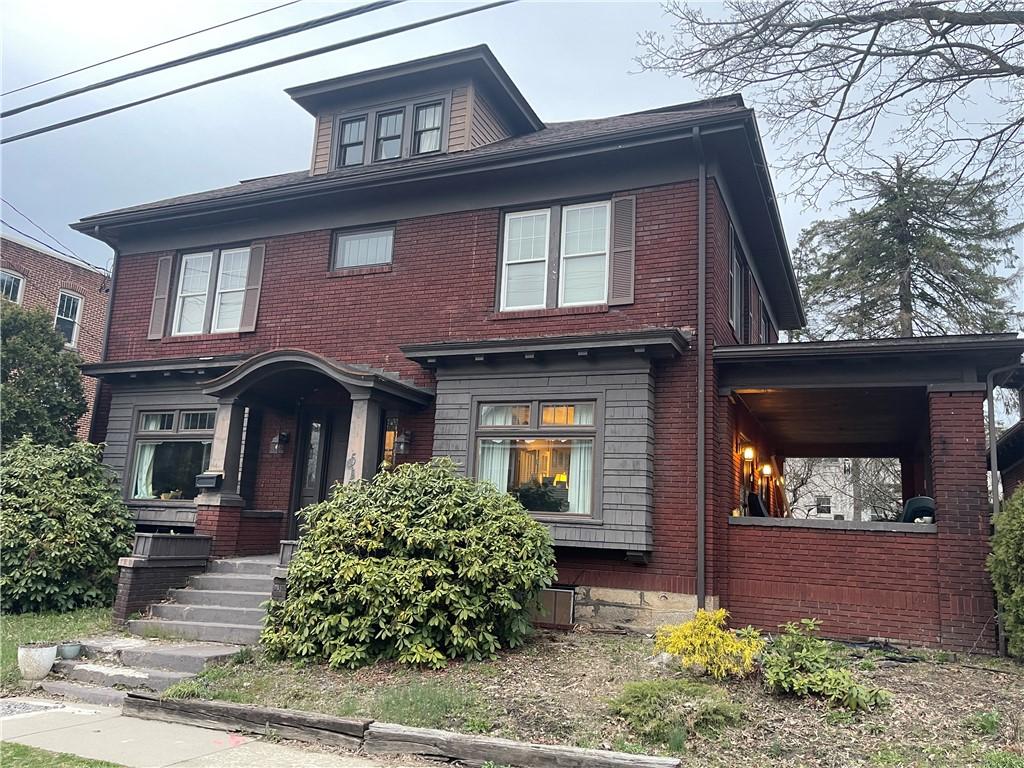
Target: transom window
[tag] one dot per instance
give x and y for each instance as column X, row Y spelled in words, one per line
column 540, row 452
column 11, row 285
column 353, row 139
column 363, row 249
column 210, row 291
column 580, row 269
column 389, row 135
column 68, row 317
column 427, row 128
column 171, row 447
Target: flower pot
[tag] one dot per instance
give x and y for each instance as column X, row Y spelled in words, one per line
column 36, row 661
column 69, row 650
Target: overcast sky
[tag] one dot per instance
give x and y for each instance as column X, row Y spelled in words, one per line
column 571, row 60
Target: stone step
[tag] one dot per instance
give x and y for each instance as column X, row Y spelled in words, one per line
column 96, row 695
column 176, row 657
column 239, row 634
column 111, row 675
column 232, row 582
column 217, row 614
column 218, row 597
column 246, row 566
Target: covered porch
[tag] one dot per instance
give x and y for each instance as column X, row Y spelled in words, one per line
column 914, row 574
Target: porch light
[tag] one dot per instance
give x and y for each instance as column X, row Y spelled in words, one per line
column 747, row 451
column 766, row 470
column 402, row 442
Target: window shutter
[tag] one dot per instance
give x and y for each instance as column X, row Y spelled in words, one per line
column 161, row 297
column 623, row 256
column 253, row 282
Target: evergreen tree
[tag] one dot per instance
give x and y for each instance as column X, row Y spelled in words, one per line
column 40, row 384
column 922, row 258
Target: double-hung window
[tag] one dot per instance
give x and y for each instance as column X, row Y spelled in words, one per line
column 193, row 289
column 823, row 506
column 584, row 267
column 525, row 262
column 765, row 328
column 737, row 286
column 230, row 295
column 391, row 131
column 171, row 447
column 541, row 452
column 352, row 142
column 426, row 135
column 388, row 143
column 68, row 318
column 11, row 285
column 211, row 291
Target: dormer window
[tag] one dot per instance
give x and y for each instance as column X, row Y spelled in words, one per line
column 353, row 139
column 427, row 130
column 389, row 135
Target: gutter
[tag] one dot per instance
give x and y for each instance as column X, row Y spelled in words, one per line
column 702, row 287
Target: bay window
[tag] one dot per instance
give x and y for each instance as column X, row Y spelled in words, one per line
column 540, row 452
column 170, row 448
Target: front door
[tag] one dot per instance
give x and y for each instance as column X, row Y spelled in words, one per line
column 323, row 437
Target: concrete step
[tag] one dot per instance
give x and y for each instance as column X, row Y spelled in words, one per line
column 239, row 634
column 111, row 675
column 217, row 614
column 87, row 694
column 232, row 582
column 146, row 654
column 262, row 567
column 218, row 597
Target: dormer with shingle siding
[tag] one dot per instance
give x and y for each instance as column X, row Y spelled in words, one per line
column 434, row 106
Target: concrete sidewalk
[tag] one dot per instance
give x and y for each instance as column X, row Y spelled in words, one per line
column 103, row 733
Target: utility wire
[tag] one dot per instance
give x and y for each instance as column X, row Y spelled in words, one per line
column 71, row 256
column 200, row 55
column 147, row 48
column 256, row 68
column 14, row 208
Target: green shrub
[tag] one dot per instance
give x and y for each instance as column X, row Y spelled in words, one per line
column 984, row 723
column 800, row 663
column 419, row 564
column 63, row 527
column 669, row 712
column 1006, row 565
column 705, row 642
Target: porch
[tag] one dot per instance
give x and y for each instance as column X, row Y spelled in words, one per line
column 918, row 575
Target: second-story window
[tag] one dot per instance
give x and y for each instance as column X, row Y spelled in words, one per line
column 388, row 143
column 525, row 260
column 367, row 248
column 427, row 128
column 353, row 140
column 737, row 287
column 584, row 268
column 68, row 318
column 765, row 328
column 227, row 305
column 193, row 287
column 211, row 276
column 11, row 285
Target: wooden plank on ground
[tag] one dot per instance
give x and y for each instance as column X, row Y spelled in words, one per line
column 385, row 739
column 303, row 726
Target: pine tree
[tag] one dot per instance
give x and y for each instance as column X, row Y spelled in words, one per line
column 922, row 258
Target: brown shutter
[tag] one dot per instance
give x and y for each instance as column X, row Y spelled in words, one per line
column 253, row 282
column 161, row 297
column 623, row 256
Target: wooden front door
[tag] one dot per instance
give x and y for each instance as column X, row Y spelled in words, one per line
column 323, row 437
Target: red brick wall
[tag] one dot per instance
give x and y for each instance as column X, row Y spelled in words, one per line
column 45, row 277
column 1013, row 478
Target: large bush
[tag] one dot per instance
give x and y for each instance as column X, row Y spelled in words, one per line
column 1006, row 564
column 62, row 526
column 419, row 564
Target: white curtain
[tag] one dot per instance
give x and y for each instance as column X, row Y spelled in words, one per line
column 144, row 455
column 495, row 454
column 581, row 465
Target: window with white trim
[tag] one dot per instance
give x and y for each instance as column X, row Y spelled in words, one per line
column 170, row 448
column 366, row 248
column 584, row 266
column 823, row 506
column 193, row 287
column 68, row 318
column 426, row 136
column 11, row 285
column 352, row 142
column 388, row 144
column 230, row 294
column 525, row 260
column 206, row 278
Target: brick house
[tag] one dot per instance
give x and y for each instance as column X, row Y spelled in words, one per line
column 73, row 293
column 584, row 313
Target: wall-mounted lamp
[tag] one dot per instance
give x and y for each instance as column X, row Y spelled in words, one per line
column 766, row 470
column 403, row 441
column 747, row 452
column 278, row 442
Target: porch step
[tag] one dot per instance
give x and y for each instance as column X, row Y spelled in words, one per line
column 111, row 675
column 96, row 695
column 219, row 614
column 244, row 566
column 241, row 634
column 231, row 582
column 223, row 598
column 174, row 657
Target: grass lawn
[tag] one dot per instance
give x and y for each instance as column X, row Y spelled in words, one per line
column 947, row 711
column 19, row 756
column 44, row 627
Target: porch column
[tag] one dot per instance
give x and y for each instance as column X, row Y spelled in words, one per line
column 218, row 506
column 363, row 438
column 960, row 489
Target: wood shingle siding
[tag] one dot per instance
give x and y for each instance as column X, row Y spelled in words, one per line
column 458, row 119
column 322, row 143
column 486, row 127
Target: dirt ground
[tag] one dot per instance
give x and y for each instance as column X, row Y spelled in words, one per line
column 947, row 710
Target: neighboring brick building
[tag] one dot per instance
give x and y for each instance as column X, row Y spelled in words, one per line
column 584, row 313
column 73, row 293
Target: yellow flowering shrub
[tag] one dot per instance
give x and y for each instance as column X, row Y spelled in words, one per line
column 705, row 641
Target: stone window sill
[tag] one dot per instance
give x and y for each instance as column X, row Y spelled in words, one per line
column 593, row 309
column 201, row 337
column 354, row 271
column 834, row 525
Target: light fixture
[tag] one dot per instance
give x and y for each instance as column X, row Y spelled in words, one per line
column 766, row 470
column 402, row 442
column 747, row 451
column 278, row 442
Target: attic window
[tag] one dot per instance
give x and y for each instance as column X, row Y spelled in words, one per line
column 353, row 138
column 389, row 135
column 427, row 130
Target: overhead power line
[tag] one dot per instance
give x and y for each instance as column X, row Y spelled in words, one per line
column 147, row 48
column 69, row 253
column 199, row 56
column 257, row 68
column 47, row 245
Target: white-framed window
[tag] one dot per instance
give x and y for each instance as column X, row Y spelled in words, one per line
column 68, row 317
column 426, row 131
column 168, row 450
column 388, row 142
column 232, row 272
column 736, row 286
column 367, row 248
column 191, row 296
column 352, row 141
column 823, row 506
column 525, row 260
column 584, row 260
column 12, row 285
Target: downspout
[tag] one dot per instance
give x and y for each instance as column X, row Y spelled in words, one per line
column 701, row 360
